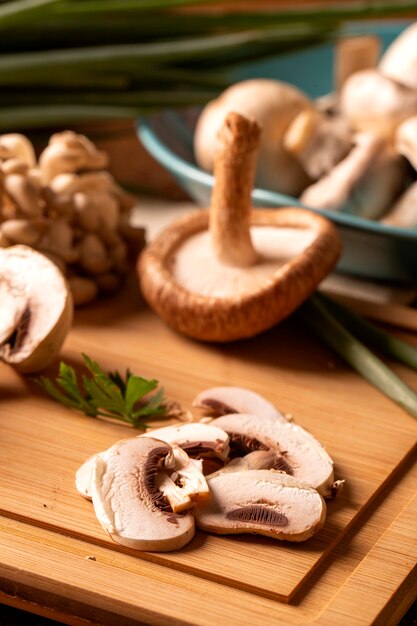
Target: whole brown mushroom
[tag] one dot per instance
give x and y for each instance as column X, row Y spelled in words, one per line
column 223, row 274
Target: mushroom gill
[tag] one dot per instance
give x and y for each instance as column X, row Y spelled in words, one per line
column 219, row 401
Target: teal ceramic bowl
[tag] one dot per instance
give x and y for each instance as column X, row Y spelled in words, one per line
column 370, row 249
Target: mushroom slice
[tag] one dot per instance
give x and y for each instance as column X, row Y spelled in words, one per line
column 225, row 400
column 263, row 502
column 128, row 503
column 188, row 473
column 195, row 438
column 226, row 274
column 259, row 459
column 36, row 309
column 297, row 452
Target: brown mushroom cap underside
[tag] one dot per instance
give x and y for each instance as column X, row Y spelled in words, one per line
column 228, row 319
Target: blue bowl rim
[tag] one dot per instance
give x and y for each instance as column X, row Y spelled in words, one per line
column 181, row 168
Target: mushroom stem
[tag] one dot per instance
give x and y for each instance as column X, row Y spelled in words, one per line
column 234, row 172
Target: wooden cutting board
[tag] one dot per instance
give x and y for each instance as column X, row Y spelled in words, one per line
column 56, row 560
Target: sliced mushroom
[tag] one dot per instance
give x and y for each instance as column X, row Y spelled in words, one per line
column 259, row 459
column 195, row 438
column 273, row 104
column 263, row 502
column 232, row 279
column 298, row 453
column 36, row 309
column 128, row 503
column 224, row 400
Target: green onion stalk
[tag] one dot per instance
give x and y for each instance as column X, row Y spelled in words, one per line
column 65, row 61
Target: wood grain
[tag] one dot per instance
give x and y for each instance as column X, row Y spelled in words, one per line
column 42, row 444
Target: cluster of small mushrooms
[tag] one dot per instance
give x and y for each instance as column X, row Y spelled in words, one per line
column 354, row 152
column 248, row 470
column 68, row 207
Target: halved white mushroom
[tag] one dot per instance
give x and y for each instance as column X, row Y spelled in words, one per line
column 298, row 453
column 36, row 309
column 263, row 502
column 225, row 400
column 128, row 503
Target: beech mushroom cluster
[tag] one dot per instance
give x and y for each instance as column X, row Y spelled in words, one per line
column 358, row 155
column 148, row 492
column 224, row 273
column 36, row 309
column 67, row 206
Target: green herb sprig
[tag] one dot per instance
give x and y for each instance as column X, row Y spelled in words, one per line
column 106, row 395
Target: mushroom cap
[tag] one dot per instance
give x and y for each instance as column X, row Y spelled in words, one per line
column 39, row 310
column 298, row 452
column 247, row 312
column 399, row 62
column 273, row 104
column 225, row 400
column 263, row 502
column 372, row 102
column 128, row 503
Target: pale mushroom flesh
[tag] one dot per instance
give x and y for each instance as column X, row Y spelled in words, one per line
column 38, row 309
column 298, row 453
column 262, row 502
column 128, row 502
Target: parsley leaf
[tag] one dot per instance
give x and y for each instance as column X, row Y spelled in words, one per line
column 106, row 395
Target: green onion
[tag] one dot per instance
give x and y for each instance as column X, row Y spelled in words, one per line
column 113, row 52
column 375, row 337
column 319, row 318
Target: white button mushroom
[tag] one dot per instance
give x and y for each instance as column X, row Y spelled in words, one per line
column 36, row 309
column 273, row 104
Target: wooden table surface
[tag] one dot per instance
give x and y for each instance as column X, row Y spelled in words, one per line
column 361, row 568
